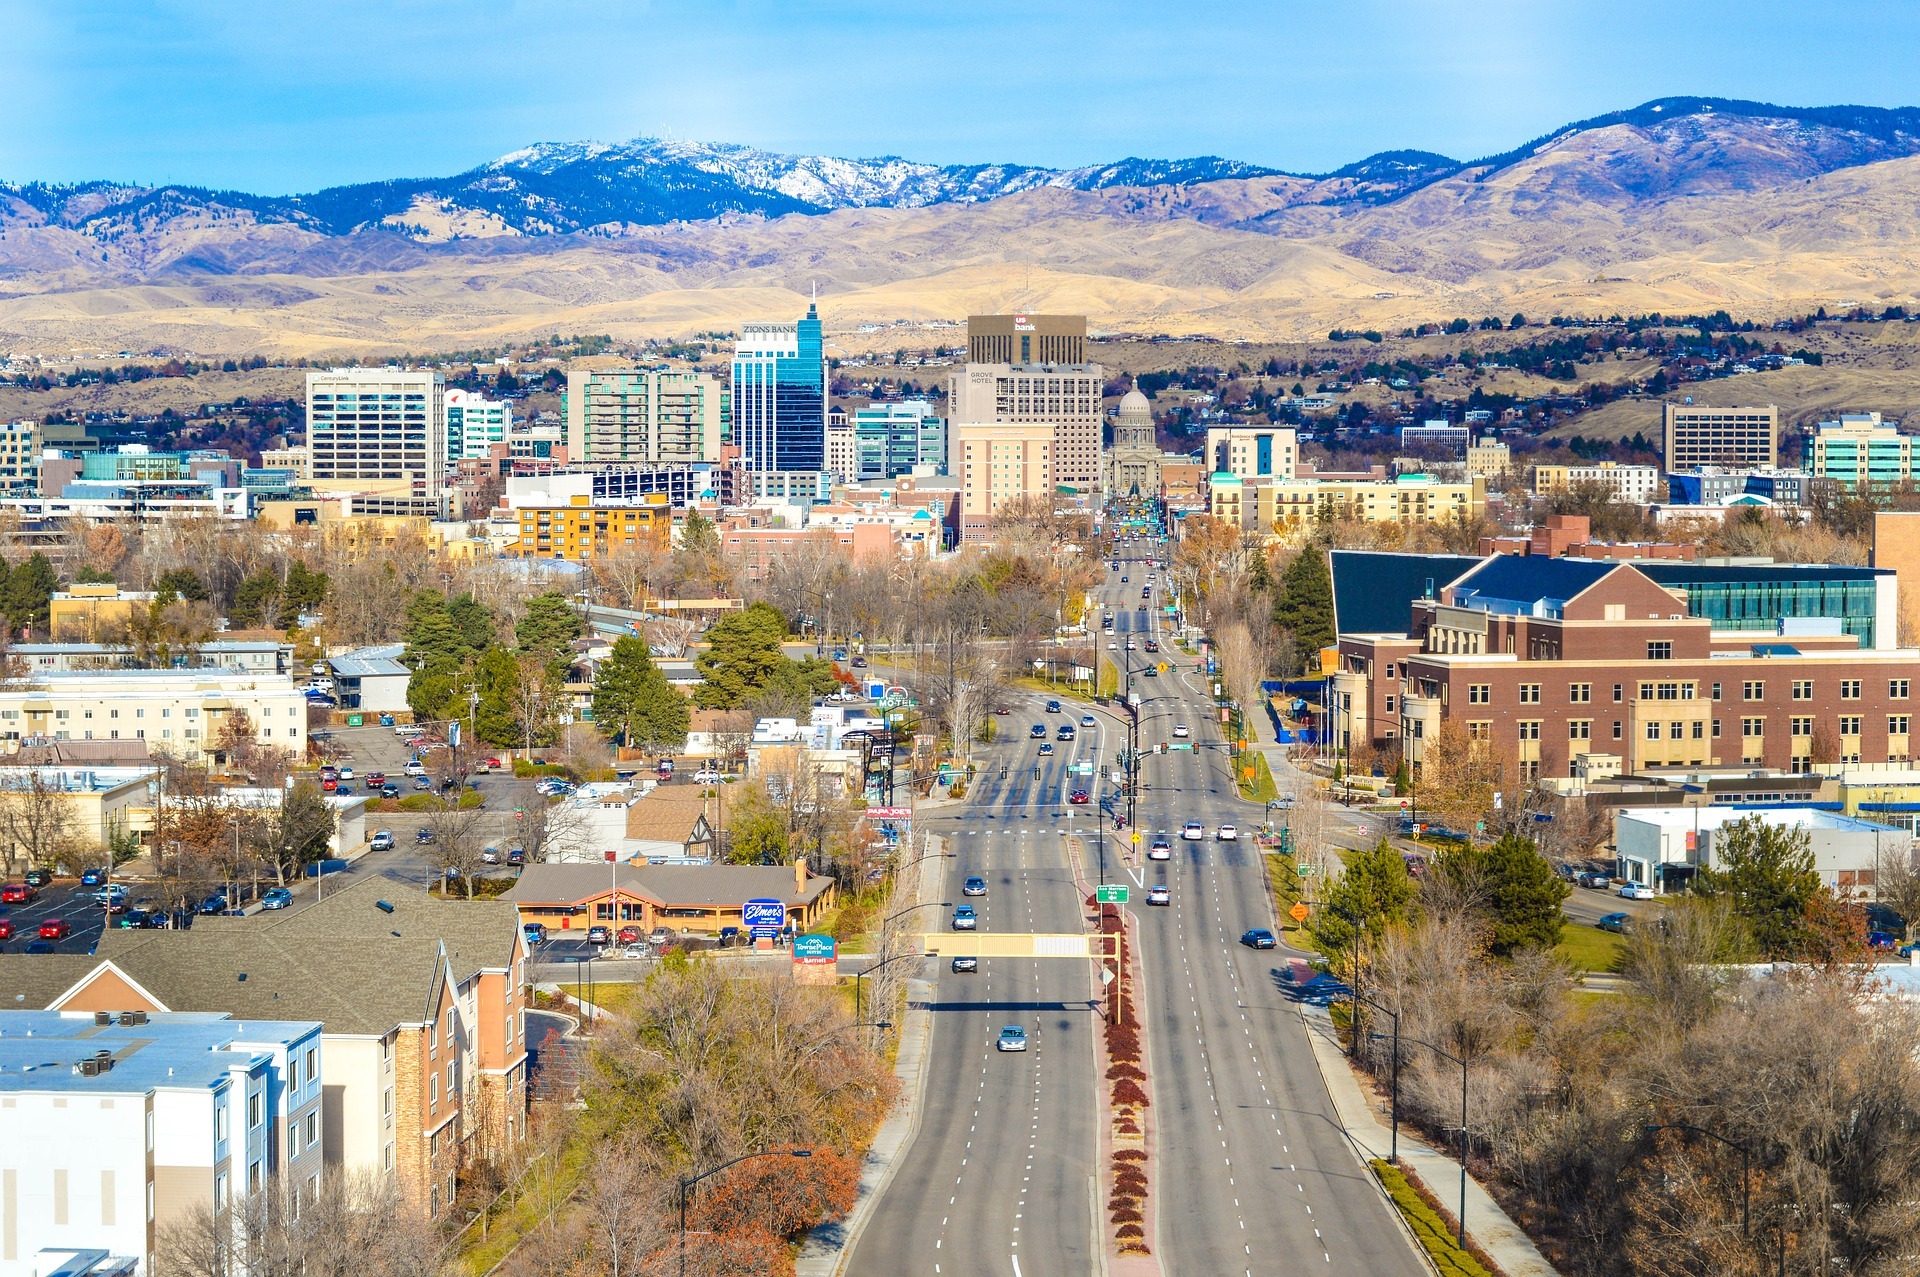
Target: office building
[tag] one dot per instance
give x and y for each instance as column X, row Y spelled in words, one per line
column 582, row 530
column 1666, row 848
column 1254, row 453
column 1436, row 440
column 892, row 439
column 20, row 458
column 843, row 452
column 474, row 423
column 1698, row 435
column 626, row 415
column 377, row 429
column 1862, row 454
column 1065, row 396
column 1489, row 459
column 1716, row 486
column 118, row 1127
column 1629, row 485
column 293, row 460
column 183, row 711
column 778, row 396
column 1295, row 503
column 1000, row 463
column 1026, row 339
column 1549, row 660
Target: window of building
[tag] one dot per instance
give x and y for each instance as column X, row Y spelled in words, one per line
column 293, row 1137
column 313, row 1130
column 1479, row 693
column 1699, row 729
column 1530, row 729
column 1802, row 689
column 1580, row 693
column 1716, row 691
column 1479, row 730
column 1617, row 729
column 1716, row 729
column 256, row 1110
column 1897, row 724
column 1801, row 726
column 1676, row 731
column 433, row 1094
column 1753, row 726
column 1849, row 724
column 1897, row 689
column 1389, row 704
column 1849, row 689
column 1659, row 650
column 1618, row 689
column 1529, row 693
column 1653, row 730
column 1580, row 729
column 1752, row 691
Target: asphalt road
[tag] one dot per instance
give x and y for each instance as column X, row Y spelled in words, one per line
column 1002, row 1177
column 1254, row 1175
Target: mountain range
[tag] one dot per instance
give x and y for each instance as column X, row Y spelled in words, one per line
column 1677, row 204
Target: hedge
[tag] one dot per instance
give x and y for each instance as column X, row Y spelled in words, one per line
column 1427, row 1225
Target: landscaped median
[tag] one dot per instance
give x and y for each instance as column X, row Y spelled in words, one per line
column 1127, row 1102
column 1431, row 1226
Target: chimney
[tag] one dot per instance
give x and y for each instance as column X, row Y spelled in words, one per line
column 800, row 877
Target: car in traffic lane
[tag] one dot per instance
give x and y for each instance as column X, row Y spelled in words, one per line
column 964, row 962
column 965, row 919
column 1161, row 848
column 1159, row 894
column 1192, row 831
column 1259, row 938
column 974, row 886
column 1012, row 1038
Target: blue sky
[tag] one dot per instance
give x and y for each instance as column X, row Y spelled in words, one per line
column 277, row 97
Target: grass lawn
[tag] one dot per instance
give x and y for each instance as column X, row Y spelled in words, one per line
column 614, row 999
column 1589, row 948
column 1260, row 788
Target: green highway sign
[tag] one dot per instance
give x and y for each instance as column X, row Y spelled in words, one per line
column 1180, row 745
column 1111, row 895
column 1306, row 871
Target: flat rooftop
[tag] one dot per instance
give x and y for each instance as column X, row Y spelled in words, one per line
column 1712, row 818
column 173, row 1050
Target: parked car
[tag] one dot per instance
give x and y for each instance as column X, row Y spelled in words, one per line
column 382, row 840
column 1158, row 894
column 39, row 877
column 389, row 790
column 1637, row 891
column 1881, row 940
column 599, row 935
column 17, row 893
column 628, row 935
column 1012, row 1038
column 965, row 919
column 1594, row 878
column 535, row 932
column 39, row 946
column 1259, row 938
column 6, row 928
column 423, row 834
column 974, row 886
column 706, row 776
column 135, row 920
column 659, row 937
column 1614, row 922
column 422, row 783
column 730, row 936
column 490, row 855
column 92, row 877
column 276, row 898
column 55, row 929
column 965, row 962
column 213, row 904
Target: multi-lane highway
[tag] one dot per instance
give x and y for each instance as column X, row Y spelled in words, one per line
column 1252, row 1173
column 1002, row 1177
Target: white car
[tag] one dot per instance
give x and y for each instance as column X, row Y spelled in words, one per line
column 1180, row 732
column 1130, row 645
column 1113, row 647
column 1228, row 833
column 706, row 776
column 1193, row 831
column 1159, row 895
column 1161, row 850
column 1636, row 891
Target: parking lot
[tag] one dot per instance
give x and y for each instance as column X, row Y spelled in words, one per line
column 67, row 901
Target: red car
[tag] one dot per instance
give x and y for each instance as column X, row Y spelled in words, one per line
column 329, row 783
column 55, row 929
column 629, row 935
column 6, row 929
column 491, row 763
column 16, row 893
column 1078, row 796
column 376, row 779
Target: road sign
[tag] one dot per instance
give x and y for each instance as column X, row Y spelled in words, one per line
column 1111, row 895
column 1479, row 826
column 1136, row 837
column 1307, row 871
column 763, row 917
column 814, row 948
column 453, row 733
column 1299, row 911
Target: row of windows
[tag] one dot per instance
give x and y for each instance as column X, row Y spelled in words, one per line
column 1686, row 729
column 1751, row 690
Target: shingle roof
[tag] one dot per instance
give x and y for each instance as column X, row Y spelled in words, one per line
column 1373, row 592
column 29, row 981
column 708, row 885
column 341, row 961
column 671, row 813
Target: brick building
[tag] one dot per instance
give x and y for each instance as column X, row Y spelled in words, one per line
column 1551, row 659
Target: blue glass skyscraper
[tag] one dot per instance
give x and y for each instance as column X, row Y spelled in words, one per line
column 780, row 395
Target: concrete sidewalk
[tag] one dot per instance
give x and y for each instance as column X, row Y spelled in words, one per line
column 1365, row 1125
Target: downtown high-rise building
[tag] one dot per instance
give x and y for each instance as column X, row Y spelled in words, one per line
column 1026, row 339
column 642, row 414
column 474, row 423
column 1065, row 396
column 377, row 429
column 779, row 396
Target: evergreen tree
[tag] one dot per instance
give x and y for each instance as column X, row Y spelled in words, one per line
column 548, row 631
column 1259, row 573
column 473, row 620
column 90, row 575
column 634, row 702
column 697, row 534
column 254, row 603
column 742, row 652
column 1304, row 607
column 1766, row 872
column 29, row 593
column 1522, row 892
column 304, row 591
column 496, row 718
column 1375, row 888
column 180, row 583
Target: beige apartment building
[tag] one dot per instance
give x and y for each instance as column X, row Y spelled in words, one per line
column 377, row 430
column 1066, row 397
column 1000, row 462
column 1699, row 435
column 20, row 458
column 1294, row 504
column 1026, row 339
column 642, row 414
column 181, row 711
column 1631, row 485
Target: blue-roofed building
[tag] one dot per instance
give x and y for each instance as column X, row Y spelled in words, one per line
column 371, row 678
column 1528, row 585
column 116, row 1124
column 1373, row 591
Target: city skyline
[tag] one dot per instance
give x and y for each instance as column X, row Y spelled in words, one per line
column 182, row 93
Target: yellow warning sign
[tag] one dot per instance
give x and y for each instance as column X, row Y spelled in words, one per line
column 1299, row 911
column 1136, row 837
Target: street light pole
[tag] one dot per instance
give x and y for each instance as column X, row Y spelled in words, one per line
column 1746, row 1166
column 1394, row 1155
column 1461, row 1061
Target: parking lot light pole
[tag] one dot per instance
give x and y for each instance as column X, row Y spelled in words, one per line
column 688, row 1181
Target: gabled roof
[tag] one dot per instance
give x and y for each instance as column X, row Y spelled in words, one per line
column 713, row 886
column 1374, row 591
column 671, row 813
